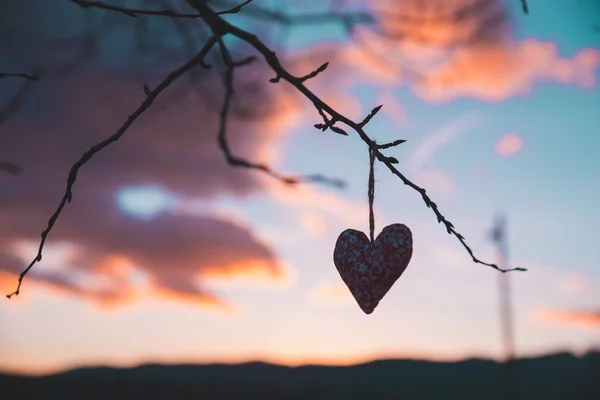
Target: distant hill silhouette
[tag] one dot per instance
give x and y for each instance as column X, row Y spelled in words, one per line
column 558, row 376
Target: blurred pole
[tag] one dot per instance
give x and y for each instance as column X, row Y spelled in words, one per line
column 498, row 236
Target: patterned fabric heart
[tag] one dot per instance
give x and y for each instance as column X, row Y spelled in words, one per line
column 369, row 269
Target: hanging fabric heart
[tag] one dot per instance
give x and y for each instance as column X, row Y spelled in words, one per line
column 369, row 269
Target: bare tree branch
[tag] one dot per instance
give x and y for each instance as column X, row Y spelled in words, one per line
column 85, row 49
column 235, row 9
column 151, row 96
column 19, row 75
column 220, row 27
column 224, row 114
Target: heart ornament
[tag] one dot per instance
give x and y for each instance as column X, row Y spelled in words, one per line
column 369, row 269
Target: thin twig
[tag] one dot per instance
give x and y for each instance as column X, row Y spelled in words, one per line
column 236, row 161
column 148, row 101
column 85, row 51
column 235, row 9
column 9, row 167
column 223, row 143
column 327, row 17
column 391, row 144
column 16, row 100
column 131, row 12
column 19, row 75
column 370, row 116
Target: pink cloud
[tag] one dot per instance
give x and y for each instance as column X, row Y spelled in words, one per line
column 585, row 318
column 509, row 145
column 497, row 72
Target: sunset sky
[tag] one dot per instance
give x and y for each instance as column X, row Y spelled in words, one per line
column 168, row 254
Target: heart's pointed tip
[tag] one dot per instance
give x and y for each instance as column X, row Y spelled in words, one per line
column 368, row 310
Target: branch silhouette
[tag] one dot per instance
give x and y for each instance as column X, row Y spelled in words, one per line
column 9, row 167
column 131, row 12
column 331, row 118
column 19, row 75
column 151, row 96
column 15, row 102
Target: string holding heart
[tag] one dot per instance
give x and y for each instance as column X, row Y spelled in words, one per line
column 370, row 267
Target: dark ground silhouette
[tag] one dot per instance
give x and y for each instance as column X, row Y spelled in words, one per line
column 557, row 376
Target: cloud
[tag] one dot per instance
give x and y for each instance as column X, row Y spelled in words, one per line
column 584, row 318
column 500, row 71
column 440, row 23
column 509, row 145
column 474, row 55
column 174, row 148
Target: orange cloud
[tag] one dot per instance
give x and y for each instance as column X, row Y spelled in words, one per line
column 173, row 147
column 254, row 275
column 497, row 72
column 113, row 279
column 509, row 145
column 62, row 284
column 252, row 269
column 586, row 318
column 440, row 23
